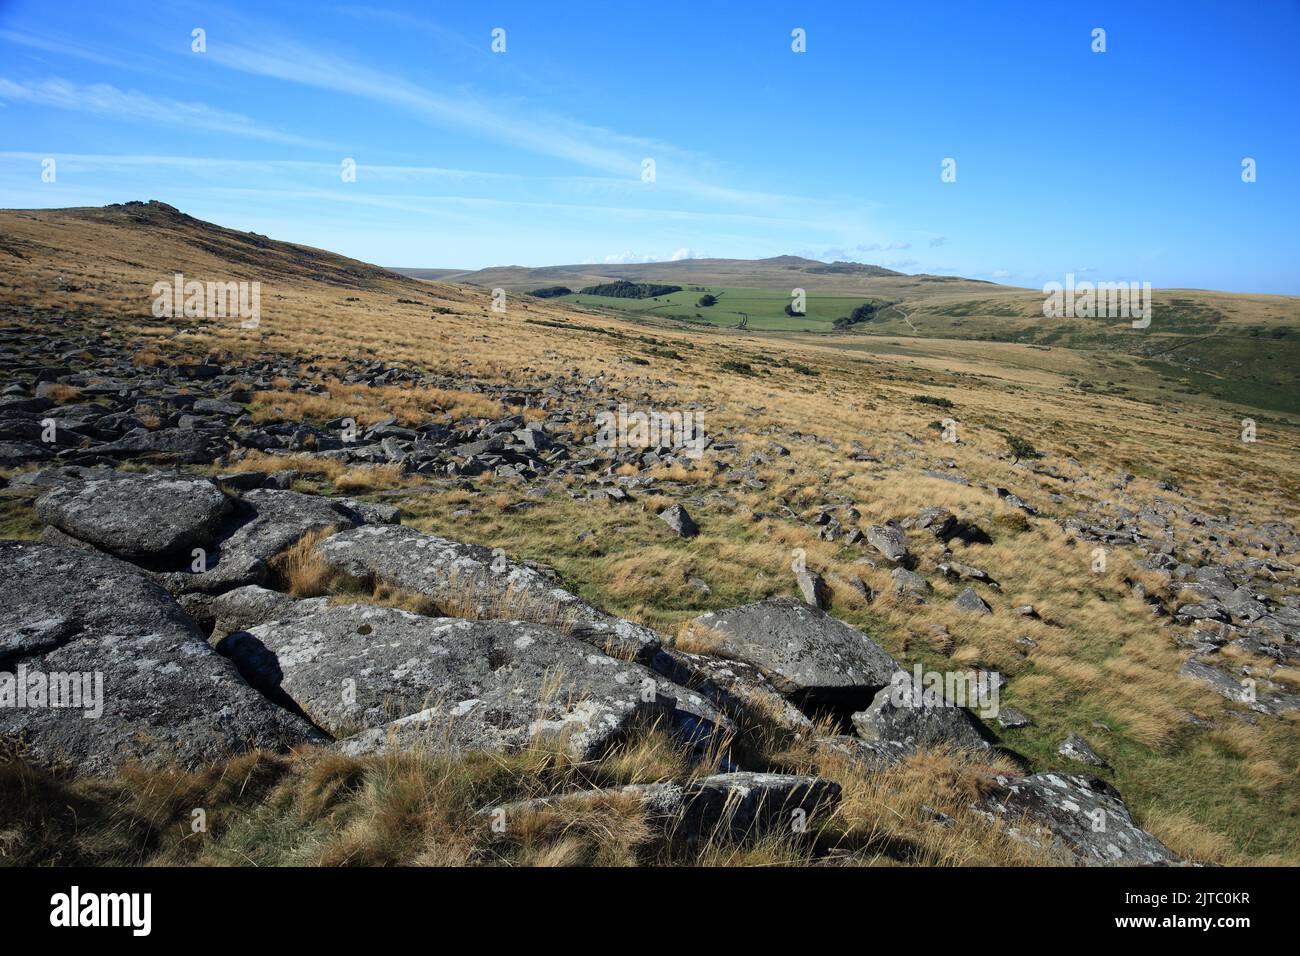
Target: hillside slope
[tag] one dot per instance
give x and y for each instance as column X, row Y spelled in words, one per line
column 951, row 497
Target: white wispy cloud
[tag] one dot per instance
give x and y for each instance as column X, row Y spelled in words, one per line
column 107, row 161
column 538, row 132
column 103, row 99
column 512, row 122
column 289, row 180
column 515, row 122
column 64, row 48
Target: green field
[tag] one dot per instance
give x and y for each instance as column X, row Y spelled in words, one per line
column 1191, row 348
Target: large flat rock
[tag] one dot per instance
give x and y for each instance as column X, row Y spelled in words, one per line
column 385, row 678
column 803, row 651
column 251, row 605
column 466, row 580
column 166, row 696
column 170, row 445
column 266, row 522
column 138, row 517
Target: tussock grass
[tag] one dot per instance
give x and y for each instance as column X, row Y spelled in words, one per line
column 1101, row 665
column 346, row 479
column 61, row 394
column 301, row 570
column 317, row 807
column 363, row 478
column 697, row 639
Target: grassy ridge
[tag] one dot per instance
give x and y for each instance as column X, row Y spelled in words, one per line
column 1221, row 789
column 1244, row 352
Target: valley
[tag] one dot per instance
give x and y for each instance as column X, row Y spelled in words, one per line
column 1069, row 507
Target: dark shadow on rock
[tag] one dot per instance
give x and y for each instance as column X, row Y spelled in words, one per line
column 260, row 667
column 967, row 532
column 839, row 704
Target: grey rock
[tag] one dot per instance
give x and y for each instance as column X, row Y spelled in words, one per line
column 1226, row 686
column 384, row 678
column 369, row 512
column 1202, row 611
column 908, row 582
column 251, row 605
column 1015, row 501
column 1076, row 748
column 679, row 521
column 53, row 477
column 1080, row 816
column 217, row 406
column 266, row 522
column 471, row 581
column 890, row 541
column 800, row 649
column 166, row 696
column 282, row 480
column 939, row 521
column 812, row 587
column 242, row 480
column 965, row 572
column 738, row 689
column 971, row 603
column 1221, row 682
column 138, row 517
column 1011, row 719
column 52, row 535
column 178, row 445
column 14, row 454
column 899, row 716
column 699, row 585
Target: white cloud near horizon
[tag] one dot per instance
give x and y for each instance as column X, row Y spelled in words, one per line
column 103, row 99
column 628, row 257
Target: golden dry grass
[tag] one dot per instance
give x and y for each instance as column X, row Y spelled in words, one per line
column 1100, row 664
column 300, row 567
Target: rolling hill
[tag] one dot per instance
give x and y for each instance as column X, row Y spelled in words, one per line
column 777, row 273
column 1241, row 348
column 829, row 450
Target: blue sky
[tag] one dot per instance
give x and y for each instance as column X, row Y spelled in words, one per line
column 1123, row 165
